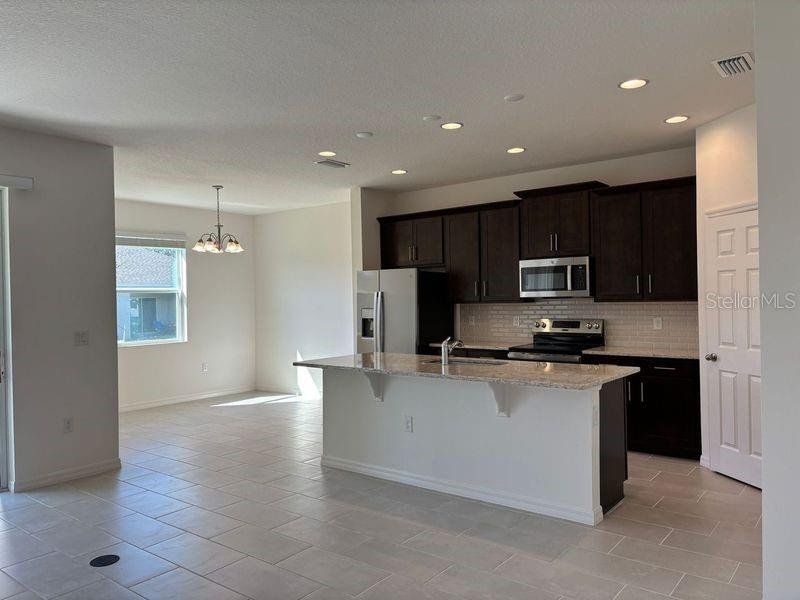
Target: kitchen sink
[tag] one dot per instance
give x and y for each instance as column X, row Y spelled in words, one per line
column 468, row 361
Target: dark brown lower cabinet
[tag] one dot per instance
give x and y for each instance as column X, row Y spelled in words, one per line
column 663, row 405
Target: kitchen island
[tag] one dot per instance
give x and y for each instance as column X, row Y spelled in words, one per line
column 543, row 437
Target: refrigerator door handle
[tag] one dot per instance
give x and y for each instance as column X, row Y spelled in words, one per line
column 379, row 344
column 375, row 321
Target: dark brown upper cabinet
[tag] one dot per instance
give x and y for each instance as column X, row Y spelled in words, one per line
column 644, row 241
column 463, row 255
column 412, row 242
column 617, row 246
column 555, row 221
column 669, row 251
column 500, row 254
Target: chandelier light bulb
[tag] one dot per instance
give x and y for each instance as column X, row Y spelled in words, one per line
column 200, row 246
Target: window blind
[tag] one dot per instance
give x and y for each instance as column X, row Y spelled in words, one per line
column 152, row 240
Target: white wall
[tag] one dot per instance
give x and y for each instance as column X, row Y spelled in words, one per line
column 727, row 175
column 220, row 311
column 631, row 169
column 304, row 293
column 725, row 157
column 61, row 238
column 777, row 90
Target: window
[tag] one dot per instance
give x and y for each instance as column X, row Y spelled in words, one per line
column 151, row 289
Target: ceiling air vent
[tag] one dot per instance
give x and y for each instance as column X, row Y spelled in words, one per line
column 331, row 162
column 734, row 65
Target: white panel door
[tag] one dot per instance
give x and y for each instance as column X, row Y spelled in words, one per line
column 733, row 342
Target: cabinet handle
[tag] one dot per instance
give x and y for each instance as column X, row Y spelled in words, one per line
column 476, row 288
column 411, row 254
column 484, row 289
column 630, row 391
column 551, row 242
column 666, row 368
column 641, row 397
column 556, row 236
column 649, row 283
column 638, row 289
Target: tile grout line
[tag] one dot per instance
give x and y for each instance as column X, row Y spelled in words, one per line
column 736, row 570
column 622, row 539
column 677, row 584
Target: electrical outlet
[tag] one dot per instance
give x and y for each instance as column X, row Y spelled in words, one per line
column 409, row 423
column 472, row 320
column 516, row 321
column 658, row 323
column 81, row 338
column 204, row 367
column 67, row 425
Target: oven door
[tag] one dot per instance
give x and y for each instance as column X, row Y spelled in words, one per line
column 554, row 277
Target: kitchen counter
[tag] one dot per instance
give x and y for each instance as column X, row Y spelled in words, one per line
column 542, row 437
column 642, row 352
column 480, row 345
column 602, row 350
column 512, row 372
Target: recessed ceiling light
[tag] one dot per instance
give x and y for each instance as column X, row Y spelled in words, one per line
column 432, row 118
column 513, row 97
column 327, row 153
column 515, row 150
column 633, row 84
column 399, row 172
column 676, row 119
column 364, row 134
column 451, row 125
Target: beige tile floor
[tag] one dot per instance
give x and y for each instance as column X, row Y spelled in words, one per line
column 226, row 499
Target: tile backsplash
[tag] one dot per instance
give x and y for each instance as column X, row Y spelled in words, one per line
column 627, row 324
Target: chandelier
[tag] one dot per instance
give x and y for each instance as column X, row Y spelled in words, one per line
column 216, row 243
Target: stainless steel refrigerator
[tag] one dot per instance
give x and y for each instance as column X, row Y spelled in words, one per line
column 401, row 310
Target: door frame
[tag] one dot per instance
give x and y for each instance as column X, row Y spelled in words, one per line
column 703, row 218
column 6, row 409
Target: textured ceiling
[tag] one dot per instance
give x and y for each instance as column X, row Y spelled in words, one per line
column 245, row 93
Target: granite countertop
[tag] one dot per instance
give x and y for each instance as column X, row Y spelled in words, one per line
column 642, row 352
column 479, row 345
column 601, row 350
column 514, row 372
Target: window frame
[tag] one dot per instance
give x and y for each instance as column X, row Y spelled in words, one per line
column 174, row 241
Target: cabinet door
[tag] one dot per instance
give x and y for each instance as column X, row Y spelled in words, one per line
column 669, row 244
column 396, row 244
column 572, row 234
column 538, row 222
column 500, row 254
column 617, row 246
column 633, row 400
column 428, row 247
column 669, row 421
column 463, row 258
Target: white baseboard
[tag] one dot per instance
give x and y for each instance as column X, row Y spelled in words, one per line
column 184, row 398
column 64, row 475
column 533, row 505
column 704, row 462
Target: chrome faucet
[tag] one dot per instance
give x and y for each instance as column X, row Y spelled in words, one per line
column 448, row 347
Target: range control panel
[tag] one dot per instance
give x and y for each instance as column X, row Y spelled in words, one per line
column 568, row 326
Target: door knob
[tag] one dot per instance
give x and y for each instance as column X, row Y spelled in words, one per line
column 711, row 357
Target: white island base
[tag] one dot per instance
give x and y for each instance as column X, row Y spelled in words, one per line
column 530, row 448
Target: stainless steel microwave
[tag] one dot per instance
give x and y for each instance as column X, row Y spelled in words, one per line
column 555, row 277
